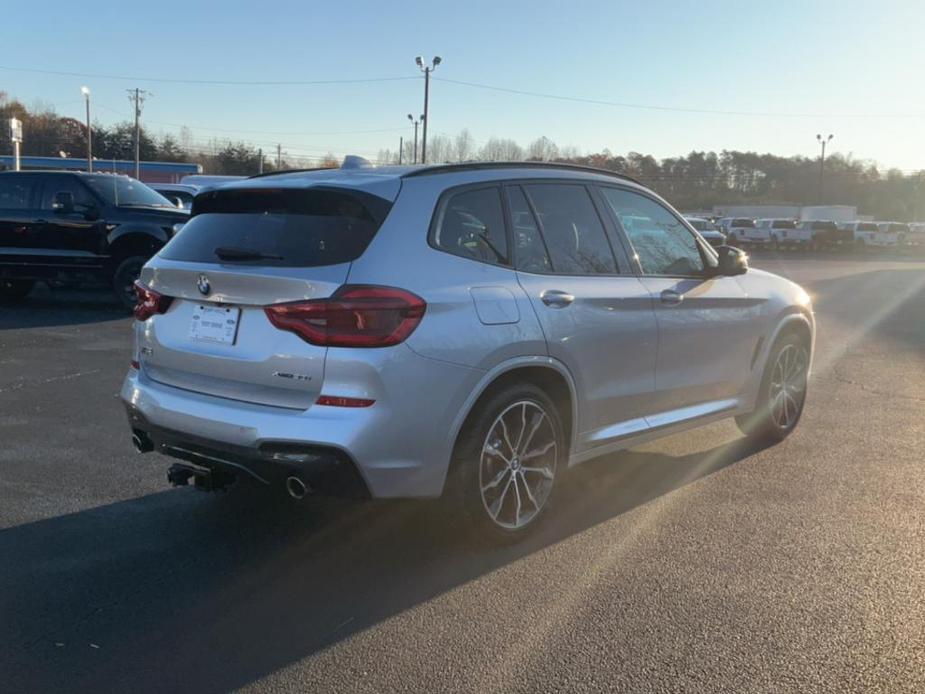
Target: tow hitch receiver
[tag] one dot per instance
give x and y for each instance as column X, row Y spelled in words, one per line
column 206, row 480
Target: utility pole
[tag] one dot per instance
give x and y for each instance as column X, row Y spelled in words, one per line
column 138, row 96
column 401, row 149
column 416, row 123
column 86, row 92
column 426, row 69
column 279, row 157
column 823, row 141
column 260, row 161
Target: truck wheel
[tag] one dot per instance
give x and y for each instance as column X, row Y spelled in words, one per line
column 123, row 280
column 15, row 290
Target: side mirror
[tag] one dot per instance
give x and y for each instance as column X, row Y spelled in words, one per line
column 63, row 202
column 732, row 261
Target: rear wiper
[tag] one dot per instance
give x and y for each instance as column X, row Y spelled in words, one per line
column 235, row 253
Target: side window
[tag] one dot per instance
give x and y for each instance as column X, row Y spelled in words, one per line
column 573, row 232
column 471, row 225
column 529, row 250
column 16, row 192
column 662, row 243
column 65, row 184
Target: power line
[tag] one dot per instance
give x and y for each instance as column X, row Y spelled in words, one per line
column 176, row 80
column 652, row 107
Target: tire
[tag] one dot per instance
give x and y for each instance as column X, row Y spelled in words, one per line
column 123, row 280
column 481, row 482
column 776, row 415
column 12, row 291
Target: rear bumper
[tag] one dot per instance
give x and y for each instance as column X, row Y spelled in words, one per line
column 399, row 447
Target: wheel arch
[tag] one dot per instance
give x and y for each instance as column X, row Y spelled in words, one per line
column 545, row 372
column 142, row 241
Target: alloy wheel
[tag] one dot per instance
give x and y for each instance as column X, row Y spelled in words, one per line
column 518, row 465
column 788, row 385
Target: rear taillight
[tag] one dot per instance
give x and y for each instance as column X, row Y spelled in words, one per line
column 150, row 302
column 354, row 316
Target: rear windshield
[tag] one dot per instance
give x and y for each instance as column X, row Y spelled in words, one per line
column 825, row 226
column 744, row 223
column 784, row 224
column 279, row 227
column 700, row 224
column 867, row 226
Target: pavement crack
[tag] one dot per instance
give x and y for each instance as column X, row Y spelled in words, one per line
column 873, row 391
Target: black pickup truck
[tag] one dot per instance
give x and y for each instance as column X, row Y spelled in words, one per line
column 66, row 226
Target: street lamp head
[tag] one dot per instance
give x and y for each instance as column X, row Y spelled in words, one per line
column 410, row 117
column 85, row 91
column 830, row 138
column 436, row 60
column 419, row 61
column 422, row 117
column 819, row 137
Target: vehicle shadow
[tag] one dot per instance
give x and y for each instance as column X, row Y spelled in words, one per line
column 50, row 307
column 231, row 588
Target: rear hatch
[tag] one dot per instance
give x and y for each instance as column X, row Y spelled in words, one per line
column 242, row 250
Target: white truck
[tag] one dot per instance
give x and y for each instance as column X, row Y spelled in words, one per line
column 870, row 234
column 741, row 231
column 781, row 232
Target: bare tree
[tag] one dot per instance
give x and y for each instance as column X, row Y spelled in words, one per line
column 465, row 145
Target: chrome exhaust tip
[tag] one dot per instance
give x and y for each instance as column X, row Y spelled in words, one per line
column 297, row 488
column 142, row 443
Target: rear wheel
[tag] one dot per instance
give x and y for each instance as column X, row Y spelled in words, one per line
column 507, row 462
column 15, row 290
column 123, row 280
column 782, row 394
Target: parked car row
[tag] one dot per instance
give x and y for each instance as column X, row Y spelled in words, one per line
column 813, row 234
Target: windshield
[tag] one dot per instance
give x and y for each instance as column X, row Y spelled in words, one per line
column 123, row 191
column 701, row 224
column 744, row 223
column 784, row 224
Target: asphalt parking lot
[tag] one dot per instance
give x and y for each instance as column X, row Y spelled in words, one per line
column 694, row 564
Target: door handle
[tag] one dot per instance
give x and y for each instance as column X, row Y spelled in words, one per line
column 554, row 298
column 671, row 298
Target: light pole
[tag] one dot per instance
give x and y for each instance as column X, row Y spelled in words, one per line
column 426, row 69
column 416, row 123
column 86, row 92
column 823, row 141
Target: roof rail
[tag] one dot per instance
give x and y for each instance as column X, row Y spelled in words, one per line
column 482, row 165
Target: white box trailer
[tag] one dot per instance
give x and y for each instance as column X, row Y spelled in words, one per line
column 839, row 214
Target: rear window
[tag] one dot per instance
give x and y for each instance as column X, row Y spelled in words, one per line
column 279, row 227
column 784, row 224
column 744, row 223
column 867, row 226
column 825, row 226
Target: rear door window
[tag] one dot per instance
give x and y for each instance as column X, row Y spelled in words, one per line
column 282, row 227
column 471, row 224
column 16, row 192
column 574, row 234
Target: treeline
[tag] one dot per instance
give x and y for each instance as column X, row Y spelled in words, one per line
column 700, row 180
column 696, row 181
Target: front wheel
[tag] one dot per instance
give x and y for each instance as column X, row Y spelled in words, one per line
column 507, row 461
column 123, row 280
column 782, row 393
column 15, row 290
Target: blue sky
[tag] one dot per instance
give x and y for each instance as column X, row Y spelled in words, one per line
column 853, row 69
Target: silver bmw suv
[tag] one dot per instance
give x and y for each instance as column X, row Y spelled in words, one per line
column 471, row 331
